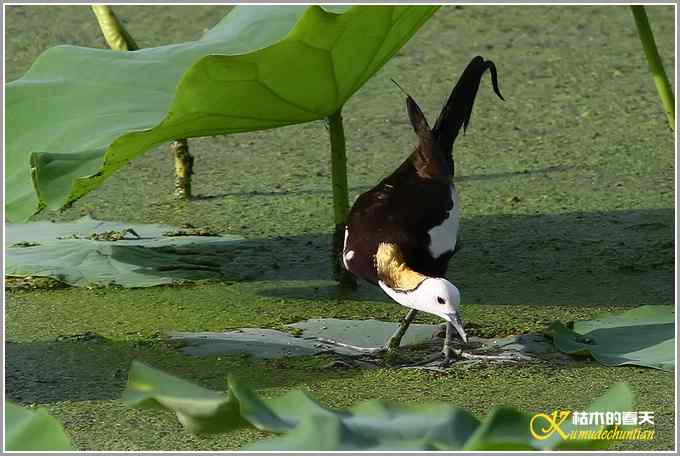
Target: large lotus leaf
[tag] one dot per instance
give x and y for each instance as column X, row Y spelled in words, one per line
column 79, row 114
column 33, row 430
column 644, row 336
column 369, row 425
column 47, row 249
column 201, row 410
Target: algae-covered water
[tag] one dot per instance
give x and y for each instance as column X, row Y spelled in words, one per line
column 567, row 191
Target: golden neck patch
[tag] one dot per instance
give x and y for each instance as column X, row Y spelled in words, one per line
column 393, row 271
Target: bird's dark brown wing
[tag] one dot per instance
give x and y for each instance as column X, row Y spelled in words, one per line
column 399, row 210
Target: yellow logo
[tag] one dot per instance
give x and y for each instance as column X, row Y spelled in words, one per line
column 612, row 425
column 542, row 425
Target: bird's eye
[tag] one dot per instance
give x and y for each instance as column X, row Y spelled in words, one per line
column 440, row 300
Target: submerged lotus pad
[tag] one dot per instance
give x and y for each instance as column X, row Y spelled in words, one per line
column 63, row 252
column 644, row 336
column 346, row 337
column 362, row 333
column 256, row 342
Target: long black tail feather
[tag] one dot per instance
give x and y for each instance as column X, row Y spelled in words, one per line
column 458, row 108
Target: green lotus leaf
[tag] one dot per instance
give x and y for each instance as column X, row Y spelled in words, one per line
column 618, row 398
column 644, row 336
column 33, row 430
column 508, row 429
column 306, row 424
column 79, row 114
column 199, row 409
column 370, row 426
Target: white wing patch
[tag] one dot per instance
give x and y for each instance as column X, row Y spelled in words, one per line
column 443, row 237
column 348, row 255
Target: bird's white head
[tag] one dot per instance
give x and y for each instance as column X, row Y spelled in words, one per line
column 435, row 296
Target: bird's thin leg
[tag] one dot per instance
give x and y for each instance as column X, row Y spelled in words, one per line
column 446, row 350
column 395, row 340
column 446, row 353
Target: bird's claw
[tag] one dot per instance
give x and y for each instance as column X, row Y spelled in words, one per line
column 451, row 355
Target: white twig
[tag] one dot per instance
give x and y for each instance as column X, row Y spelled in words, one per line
column 351, row 347
column 508, row 357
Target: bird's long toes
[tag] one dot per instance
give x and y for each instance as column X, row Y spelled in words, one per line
column 511, row 357
column 446, row 359
column 449, row 356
